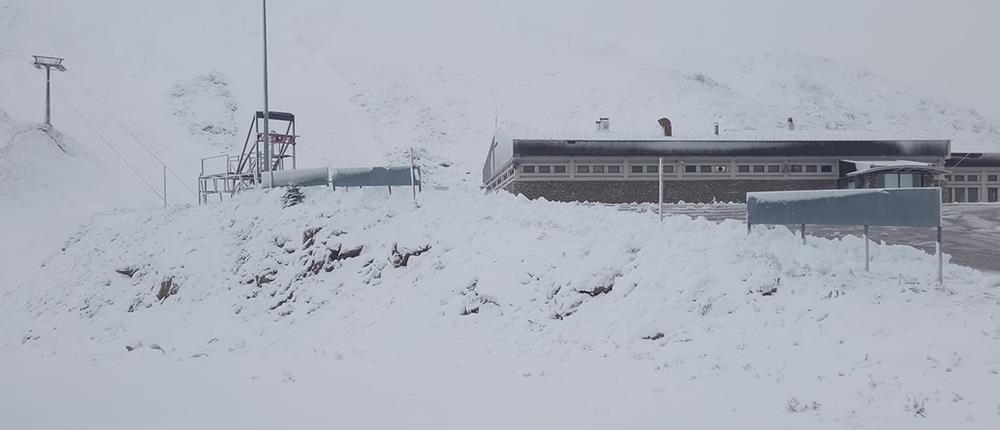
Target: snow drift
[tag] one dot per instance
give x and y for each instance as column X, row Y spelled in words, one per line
column 362, row 274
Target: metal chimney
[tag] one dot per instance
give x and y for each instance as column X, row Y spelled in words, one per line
column 668, row 129
column 791, row 123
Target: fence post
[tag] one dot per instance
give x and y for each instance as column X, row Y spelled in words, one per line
column 660, row 182
column 867, row 259
column 940, row 256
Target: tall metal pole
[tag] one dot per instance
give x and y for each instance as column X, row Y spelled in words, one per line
column 267, row 113
column 164, row 185
column 48, row 98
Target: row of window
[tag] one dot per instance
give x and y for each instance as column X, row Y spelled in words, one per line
column 970, row 195
column 690, row 168
column 971, row 178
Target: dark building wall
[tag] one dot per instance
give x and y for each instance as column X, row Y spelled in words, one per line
column 646, row 191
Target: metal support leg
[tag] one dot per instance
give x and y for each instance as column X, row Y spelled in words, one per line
column 940, row 256
column 803, row 231
column 867, row 258
column 748, row 227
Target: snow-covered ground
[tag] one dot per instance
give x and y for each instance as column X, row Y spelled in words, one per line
column 355, row 308
column 516, row 313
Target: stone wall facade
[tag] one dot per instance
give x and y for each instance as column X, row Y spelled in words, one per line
column 705, row 191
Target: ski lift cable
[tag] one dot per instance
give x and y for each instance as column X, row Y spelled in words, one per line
column 131, row 133
column 106, row 142
column 14, row 57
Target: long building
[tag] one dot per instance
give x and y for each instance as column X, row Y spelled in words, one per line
column 601, row 167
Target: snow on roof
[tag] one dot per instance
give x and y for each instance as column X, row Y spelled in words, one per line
column 864, row 167
column 795, row 196
column 790, row 143
column 779, row 148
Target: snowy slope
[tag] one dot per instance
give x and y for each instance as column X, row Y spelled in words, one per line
column 783, row 329
column 49, row 184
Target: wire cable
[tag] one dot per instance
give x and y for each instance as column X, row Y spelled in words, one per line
column 14, row 57
column 103, row 139
column 130, row 132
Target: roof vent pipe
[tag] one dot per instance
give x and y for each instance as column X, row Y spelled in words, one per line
column 791, row 123
column 716, row 128
column 668, row 129
column 603, row 124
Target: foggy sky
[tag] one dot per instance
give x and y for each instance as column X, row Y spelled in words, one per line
column 948, row 49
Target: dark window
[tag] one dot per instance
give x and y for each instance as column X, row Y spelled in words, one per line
column 959, row 178
column 614, row 169
column 959, row 195
column 743, row 169
column 652, row 169
column 582, row 169
column 528, row 169
column 795, row 168
column 992, row 178
column 690, row 169
column 758, row 169
column 705, row 169
column 972, row 178
column 559, row 169
column 811, row 169
column 598, row 169
column 773, row 169
column 826, row 169
column 992, row 195
column 544, row 169
column 947, row 177
column 636, row 169
column 947, row 196
column 668, row 169
column 973, row 195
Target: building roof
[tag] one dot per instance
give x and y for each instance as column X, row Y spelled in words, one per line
column 973, row 159
column 734, row 148
column 865, row 167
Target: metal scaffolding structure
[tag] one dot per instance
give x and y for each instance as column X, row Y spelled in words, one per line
column 251, row 168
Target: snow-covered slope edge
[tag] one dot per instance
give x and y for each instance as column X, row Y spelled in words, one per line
column 49, row 183
column 699, row 305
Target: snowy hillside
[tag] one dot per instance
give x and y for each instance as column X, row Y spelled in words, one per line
column 49, row 183
column 533, row 287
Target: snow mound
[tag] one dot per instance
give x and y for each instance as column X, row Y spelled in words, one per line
column 363, row 271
